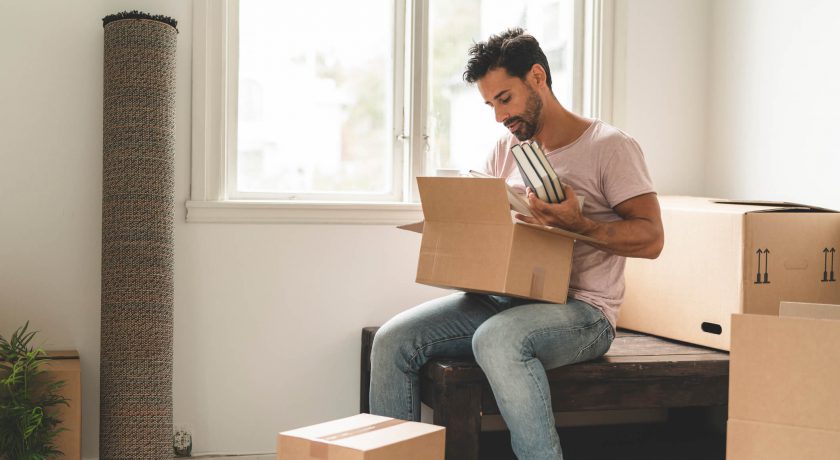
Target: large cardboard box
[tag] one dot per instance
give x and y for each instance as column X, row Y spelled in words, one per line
column 65, row 365
column 725, row 257
column 471, row 242
column 783, row 385
column 363, row 437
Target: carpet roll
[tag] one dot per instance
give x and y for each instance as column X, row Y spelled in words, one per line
column 135, row 418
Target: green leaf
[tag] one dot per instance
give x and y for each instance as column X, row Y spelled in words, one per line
column 27, row 426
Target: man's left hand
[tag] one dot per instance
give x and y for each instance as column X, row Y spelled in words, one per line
column 566, row 215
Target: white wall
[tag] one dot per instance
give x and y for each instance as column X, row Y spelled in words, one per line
column 51, row 179
column 661, row 89
column 268, row 321
column 267, row 317
column 775, row 101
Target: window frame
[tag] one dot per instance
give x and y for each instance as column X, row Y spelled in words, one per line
column 215, row 98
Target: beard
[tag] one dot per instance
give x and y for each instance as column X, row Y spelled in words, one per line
column 528, row 120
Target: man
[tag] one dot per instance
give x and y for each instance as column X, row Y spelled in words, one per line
column 516, row 340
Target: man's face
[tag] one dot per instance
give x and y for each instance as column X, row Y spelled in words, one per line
column 516, row 104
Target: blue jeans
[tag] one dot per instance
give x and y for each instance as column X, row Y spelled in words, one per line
column 513, row 340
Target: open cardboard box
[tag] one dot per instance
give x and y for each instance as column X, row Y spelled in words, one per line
column 783, row 384
column 363, row 437
column 472, row 243
column 724, row 257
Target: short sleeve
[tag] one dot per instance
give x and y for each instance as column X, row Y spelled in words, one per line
column 493, row 164
column 490, row 164
column 624, row 173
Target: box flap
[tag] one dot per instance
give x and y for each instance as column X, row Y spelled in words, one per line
column 775, row 206
column 416, row 227
column 809, row 310
column 464, row 199
column 560, row 231
column 719, row 205
column 517, row 200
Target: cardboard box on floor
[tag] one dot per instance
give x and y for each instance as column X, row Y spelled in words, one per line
column 363, row 437
column 783, row 374
column 471, row 243
column 65, row 365
column 722, row 258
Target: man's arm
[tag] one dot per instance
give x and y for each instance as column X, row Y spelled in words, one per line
column 638, row 234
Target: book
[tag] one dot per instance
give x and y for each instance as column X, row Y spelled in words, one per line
column 537, row 172
column 556, row 185
column 517, row 201
column 542, row 173
column 528, row 171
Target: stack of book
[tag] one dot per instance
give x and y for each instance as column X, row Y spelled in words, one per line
column 537, row 173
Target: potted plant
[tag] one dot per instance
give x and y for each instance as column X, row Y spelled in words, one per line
column 28, row 399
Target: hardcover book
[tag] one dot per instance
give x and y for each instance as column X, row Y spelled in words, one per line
column 537, row 173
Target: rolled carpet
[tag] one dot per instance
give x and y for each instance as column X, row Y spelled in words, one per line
column 135, row 415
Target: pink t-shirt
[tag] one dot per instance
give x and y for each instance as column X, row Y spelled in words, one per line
column 606, row 166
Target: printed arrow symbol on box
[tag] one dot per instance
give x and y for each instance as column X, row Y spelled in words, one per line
column 825, row 264
column 758, row 273
column 766, row 265
column 832, row 265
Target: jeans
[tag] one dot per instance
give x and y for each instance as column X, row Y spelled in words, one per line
column 513, row 340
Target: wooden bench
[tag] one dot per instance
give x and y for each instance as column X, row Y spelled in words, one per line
column 639, row 371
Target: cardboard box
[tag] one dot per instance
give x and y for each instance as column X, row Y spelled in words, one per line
column 783, row 390
column 471, row 242
column 724, row 257
column 65, row 365
column 363, row 437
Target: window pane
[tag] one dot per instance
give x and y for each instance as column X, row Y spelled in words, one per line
column 315, row 97
column 462, row 129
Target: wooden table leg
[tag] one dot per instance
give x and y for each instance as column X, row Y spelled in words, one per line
column 364, row 385
column 458, row 408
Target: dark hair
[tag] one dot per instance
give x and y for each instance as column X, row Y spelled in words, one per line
column 513, row 50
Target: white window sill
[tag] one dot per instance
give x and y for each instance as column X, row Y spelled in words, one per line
column 285, row 212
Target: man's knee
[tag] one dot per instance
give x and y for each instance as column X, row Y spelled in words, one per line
column 497, row 342
column 392, row 342
column 388, row 337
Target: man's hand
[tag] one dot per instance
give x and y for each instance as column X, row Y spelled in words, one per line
column 566, row 215
column 639, row 233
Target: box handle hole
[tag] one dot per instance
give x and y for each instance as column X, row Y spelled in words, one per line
column 711, row 328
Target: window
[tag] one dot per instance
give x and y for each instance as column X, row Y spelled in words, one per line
column 322, row 102
column 461, row 130
column 332, row 120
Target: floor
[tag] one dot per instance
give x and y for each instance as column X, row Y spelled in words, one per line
column 689, row 437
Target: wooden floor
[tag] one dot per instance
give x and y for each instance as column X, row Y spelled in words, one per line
column 659, row 441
